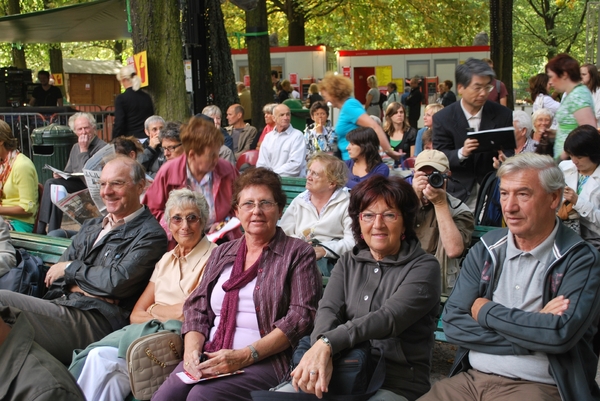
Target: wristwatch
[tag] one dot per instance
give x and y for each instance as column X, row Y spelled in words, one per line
column 326, row 341
column 253, row 353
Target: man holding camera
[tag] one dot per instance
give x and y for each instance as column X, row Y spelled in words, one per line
column 444, row 224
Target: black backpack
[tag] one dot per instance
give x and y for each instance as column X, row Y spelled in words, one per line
column 488, row 211
column 27, row 277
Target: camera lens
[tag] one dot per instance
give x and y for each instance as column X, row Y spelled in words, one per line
column 436, row 179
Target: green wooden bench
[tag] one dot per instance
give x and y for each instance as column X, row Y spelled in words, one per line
column 50, row 249
column 292, row 186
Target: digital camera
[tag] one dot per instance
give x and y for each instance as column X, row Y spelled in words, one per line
column 436, row 179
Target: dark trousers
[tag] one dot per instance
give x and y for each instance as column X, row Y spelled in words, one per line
column 259, row 376
column 50, row 215
column 59, row 329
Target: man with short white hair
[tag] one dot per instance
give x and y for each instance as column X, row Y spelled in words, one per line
column 526, row 304
column 153, row 156
column 284, row 149
column 84, row 126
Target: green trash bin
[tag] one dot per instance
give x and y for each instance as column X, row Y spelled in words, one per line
column 51, row 145
column 299, row 113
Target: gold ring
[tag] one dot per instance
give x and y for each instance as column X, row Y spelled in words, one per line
column 217, row 373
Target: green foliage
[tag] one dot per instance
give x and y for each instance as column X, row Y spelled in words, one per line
column 542, row 29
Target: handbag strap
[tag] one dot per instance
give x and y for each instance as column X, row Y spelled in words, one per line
column 375, row 384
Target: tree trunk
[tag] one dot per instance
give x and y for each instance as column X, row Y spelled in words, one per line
column 219, row 53
column 501, row 41
column 156, row 29
column 18, row 53
column 296, row 22
column 259, row 61
column 118, row 50
column 56, row 62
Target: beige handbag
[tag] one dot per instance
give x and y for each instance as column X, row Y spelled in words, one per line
column 151, row 359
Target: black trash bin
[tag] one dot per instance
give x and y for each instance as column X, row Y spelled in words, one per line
column 51, row 145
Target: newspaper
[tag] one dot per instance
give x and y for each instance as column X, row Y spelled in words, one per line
column 63, row 174
column 91, row 172
column 79, row 206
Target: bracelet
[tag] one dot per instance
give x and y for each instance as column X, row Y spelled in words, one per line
column 150, row 308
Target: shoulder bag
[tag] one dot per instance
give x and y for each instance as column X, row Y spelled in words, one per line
column 150, row 360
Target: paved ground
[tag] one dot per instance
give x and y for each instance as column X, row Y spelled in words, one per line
column 443, row 357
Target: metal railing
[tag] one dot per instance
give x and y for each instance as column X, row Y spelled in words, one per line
column 22, row 125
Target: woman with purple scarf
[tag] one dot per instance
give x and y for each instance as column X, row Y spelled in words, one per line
column 257, row 299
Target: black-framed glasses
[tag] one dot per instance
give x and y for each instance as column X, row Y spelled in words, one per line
column 263, row 205
column 190, row 218
column 388, row 217
column 171, row 148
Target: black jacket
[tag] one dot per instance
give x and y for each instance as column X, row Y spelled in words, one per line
column 132, row 108
column 118, row 267
column 450, row 129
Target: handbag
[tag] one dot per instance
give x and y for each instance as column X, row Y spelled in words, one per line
column 150, row 360
column 325, row 264
column 27, row 277
column 569, row 216
column 353, row 377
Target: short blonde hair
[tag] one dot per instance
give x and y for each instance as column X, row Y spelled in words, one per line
column 373, row 80
column 434, row 107
column 338, row 86
column 336, row 170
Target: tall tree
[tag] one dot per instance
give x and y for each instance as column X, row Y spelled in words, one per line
column 156, row 29
column 299, row 12
column 259, row 62
column 501, row 40
column 18, row 51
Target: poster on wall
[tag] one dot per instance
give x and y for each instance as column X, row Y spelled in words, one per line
column 383, row 74
column 294, row 78
column 140, row 62
column 346, row 72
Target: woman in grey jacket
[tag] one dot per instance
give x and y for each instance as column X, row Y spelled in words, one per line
column 386, row 290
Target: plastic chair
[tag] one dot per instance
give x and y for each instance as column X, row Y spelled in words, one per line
column 248, row 157
column 408, row 163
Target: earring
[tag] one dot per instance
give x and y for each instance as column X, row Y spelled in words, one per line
column 403, row 236
column 362, row 237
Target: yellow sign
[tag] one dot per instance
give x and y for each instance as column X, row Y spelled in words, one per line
column 141, row 67
column 400, row 84
column 383, row 74
column 58, row 79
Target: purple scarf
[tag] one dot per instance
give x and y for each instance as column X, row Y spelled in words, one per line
column 239, row 278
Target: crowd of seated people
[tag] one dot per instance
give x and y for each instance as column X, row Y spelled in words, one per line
column 390, row 247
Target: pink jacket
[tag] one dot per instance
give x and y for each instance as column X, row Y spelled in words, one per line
column 172, row 175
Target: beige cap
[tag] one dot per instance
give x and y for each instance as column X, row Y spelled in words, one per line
column 432, row 158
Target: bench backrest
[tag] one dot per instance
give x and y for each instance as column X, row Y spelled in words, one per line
column 50, row 249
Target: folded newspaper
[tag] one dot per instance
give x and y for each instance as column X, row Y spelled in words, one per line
column 87, row 203
column 63, row 174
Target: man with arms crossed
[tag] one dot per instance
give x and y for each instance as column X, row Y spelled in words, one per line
column 526, row 303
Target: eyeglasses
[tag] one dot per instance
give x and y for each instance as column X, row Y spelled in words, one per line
column 313, row 173
column 171, row 148
column 486, row 88
column 113, row 184
column 388, row 217
column 263, row 205
column 191, row 219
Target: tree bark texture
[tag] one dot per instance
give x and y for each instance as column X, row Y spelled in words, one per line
column 296, row 21
column 56, row 62
column 501, row 49
column 259, row 62
column 18, row 54
column 223, row 86
column 156, row 29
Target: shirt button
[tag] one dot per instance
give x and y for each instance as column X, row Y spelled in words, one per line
column 517, row 287
column 257, row 288
column 257, row 308
column 376, row 270
column 260, row 270
column 366, row 298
